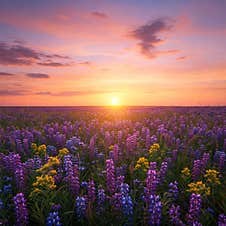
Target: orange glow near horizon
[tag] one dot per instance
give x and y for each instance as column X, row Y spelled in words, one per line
column 115, row 101
column 140, row 53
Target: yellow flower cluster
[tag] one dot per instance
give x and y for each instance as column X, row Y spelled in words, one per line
column 44, row 182
column 40, row 150
column 34, row 147
column 212, row 176
column 52, row 161
column 111, row 147
column 186, row 172
column 142, row 162
column 199, row 188
column 154, row 147
column 63, row 152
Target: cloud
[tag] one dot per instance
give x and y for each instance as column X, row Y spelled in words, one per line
column 75, row 92
column 148, row 35
column 5, row 74
column 86, row 63
column 37, row 75
column 7, row 92
column 43, row 93
column 181, row 58
column 19, row 54
column 52, row 64
column 99, row 15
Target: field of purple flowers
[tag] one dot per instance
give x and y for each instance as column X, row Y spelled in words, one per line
column 128, row 166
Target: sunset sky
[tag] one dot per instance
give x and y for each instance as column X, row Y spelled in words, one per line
column 87, row 52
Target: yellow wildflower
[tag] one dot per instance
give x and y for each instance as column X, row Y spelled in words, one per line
column 45, row 182
column 41, row 150
column 212, row 176
column 153, row 148
column 35, row 191
column 186, row 172
column 63, row 152
column 142, row 162
column 52, row 161
column 111, row 147
column 34, row 146
column 52, row 172
column 199, row 188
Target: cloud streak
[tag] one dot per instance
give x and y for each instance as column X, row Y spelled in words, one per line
column 7, row 92
column 5, row 74
column 18, row 54
column 148, row 35
column 75, row 93
column 37, row 75
column 99, row 15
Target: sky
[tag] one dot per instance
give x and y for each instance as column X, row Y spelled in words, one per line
column 140, row 52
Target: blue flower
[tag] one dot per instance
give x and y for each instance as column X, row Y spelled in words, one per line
column 53, row 219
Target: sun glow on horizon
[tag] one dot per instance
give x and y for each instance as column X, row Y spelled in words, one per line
column 115, row 101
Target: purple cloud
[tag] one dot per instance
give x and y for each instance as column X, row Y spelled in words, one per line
column 148, row 35
column 86, row 63
column 75, row 93
column 5, row 74
column 37, row 75
column 7, row 92
column 53, row 64
column 181, row 58
column 18, row 54
column 43, row 93
column 99, row 15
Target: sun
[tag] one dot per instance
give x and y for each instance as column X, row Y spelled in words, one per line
column 114, row 101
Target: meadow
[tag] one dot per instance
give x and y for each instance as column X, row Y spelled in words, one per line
column 113, row 166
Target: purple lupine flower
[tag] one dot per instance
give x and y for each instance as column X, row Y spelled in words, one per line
column 73, row 179
column 174, row 213
column 53, row 219
column 222, row 220
column 151, row 184
column 221, row 161
column 155, row 210
column 205, row 160
column 107, row 139
column 1, row 204
column 116, row 202
column 68, row 165
column 20, row 209
column 55, row 207
column 80, row 207
column 126, row 200
column 119, row 181
column 91, row 191
column 7, row 189
column 19, row 177
column 163, row 170
column 29, row 165
column 173, row 189
column 92, row 147
column 116, row 152
column 110, row 177
column 196, row 170
column 100, row 200
column 37, row 162
column 153, row 166
column 14, row 164
column 194, row 209
column 131, row 143
column 174, row 154
column 147, row 139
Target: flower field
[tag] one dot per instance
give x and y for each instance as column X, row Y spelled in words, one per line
column 112, row 166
